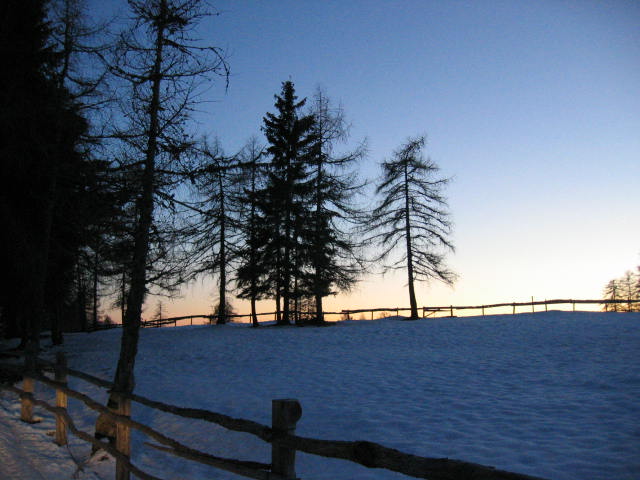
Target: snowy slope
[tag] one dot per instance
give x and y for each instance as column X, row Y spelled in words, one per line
column 547, row 394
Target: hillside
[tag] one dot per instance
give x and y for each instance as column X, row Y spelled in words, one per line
column 551, row 394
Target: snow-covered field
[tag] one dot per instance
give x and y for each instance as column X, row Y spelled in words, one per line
column 555, row 395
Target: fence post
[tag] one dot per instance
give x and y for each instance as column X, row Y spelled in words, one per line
column 61, row 398
column 285, row 414
column 123, row 438
column 533, row 309
column 28, row 385
column 514, row 308
column 483, row 310
column 451, row 310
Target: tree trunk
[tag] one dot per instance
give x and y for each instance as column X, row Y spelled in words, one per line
column 222, row 307
column 123, row 295
column 412, row 294
column 56, row 323
column 124, row 381
column 254, row 317
column 94, row 313
column 319, row 311
column 288, row 233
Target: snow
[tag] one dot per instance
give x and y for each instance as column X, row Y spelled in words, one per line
column 553, row 395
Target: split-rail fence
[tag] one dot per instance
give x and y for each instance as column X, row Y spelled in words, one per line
column 281, row 434
column 427, row 312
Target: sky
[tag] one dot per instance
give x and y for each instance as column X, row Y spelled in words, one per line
column 532, row 108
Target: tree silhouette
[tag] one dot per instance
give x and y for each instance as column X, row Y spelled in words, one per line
column 611, row 292
column 412, row 212
column 215, row 236
column 159, row 65
column 42, row 173
column 284, row 204
column 334, row 260
column 251, row 272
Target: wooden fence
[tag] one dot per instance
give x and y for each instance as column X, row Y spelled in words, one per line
column 281, row 434
column 448, row 310
column 451, row 310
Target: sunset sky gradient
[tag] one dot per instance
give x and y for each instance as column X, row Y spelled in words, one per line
column 533, row 108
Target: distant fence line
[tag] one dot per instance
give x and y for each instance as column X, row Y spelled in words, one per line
column 427, row 312
column 281, row 434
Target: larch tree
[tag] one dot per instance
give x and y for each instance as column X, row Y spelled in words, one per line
column 160, row 67
column 628, row 284
column 335, row 261
column 612, row 291
column 412, row 218
column 250, row 273
column 215, row 232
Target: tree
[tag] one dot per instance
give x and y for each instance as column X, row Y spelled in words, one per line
column 412, row 211
column 41, row 168
column 335, row 263
column 628, row 286
column 159, row 65
column 285, row 197
column 157, row 316
column 625, row 289
column 611, row 292
column 251, row 272
column 216, row 230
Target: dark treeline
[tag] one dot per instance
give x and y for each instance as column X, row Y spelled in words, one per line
column 108, row 194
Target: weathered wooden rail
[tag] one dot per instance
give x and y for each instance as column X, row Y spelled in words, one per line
column 281, row 435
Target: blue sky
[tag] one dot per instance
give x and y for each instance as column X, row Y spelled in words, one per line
column 532, row 107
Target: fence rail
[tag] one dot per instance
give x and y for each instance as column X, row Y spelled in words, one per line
column 451, row 309
column 281, row 435
column 426, row 311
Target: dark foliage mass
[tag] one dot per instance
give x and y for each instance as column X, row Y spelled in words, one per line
column 47, row 207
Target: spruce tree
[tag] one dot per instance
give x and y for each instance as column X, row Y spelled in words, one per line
column 285, row 206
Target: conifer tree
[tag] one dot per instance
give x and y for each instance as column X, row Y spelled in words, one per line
column 159, row 64
column 284, row 205
column 216, row 231
column 251, row 272
column 612, row 291
column 335, row 262
column 412, row 217
column 42, row 167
